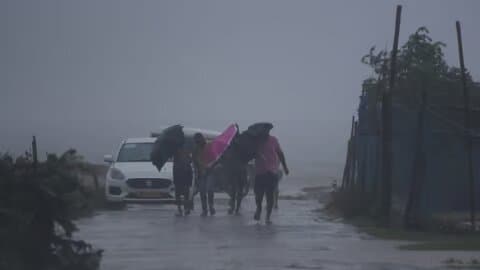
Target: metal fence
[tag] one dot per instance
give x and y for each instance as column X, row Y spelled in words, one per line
column 437, row 183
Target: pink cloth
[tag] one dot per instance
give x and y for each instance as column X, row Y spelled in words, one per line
column 267, row 157
column 214, row 150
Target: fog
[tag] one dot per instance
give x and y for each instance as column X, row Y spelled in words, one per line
column 86, row 74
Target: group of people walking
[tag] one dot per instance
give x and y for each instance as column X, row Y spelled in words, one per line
column 186, row 166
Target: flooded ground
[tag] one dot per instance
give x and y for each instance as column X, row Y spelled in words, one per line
column 148, row 237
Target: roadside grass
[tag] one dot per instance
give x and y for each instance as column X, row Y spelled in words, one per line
column 462, row 243
column 420, row 240
column 350, row 211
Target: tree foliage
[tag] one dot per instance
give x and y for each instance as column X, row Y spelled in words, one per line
column 36, row 215
column 420, row 66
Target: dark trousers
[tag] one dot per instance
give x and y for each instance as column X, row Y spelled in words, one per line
column 182, row 180
column 265, row 186
column 207, row 199
column 183, row 191
column 205, row 186
column 238, row 181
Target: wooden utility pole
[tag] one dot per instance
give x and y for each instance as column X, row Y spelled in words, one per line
column 468, row 135
column 387, row 153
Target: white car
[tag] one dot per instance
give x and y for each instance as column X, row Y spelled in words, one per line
column 133, row 178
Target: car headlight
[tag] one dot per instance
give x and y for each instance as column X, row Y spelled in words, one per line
column 116, row 174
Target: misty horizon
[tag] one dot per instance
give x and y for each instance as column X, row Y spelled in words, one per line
column 87, row 74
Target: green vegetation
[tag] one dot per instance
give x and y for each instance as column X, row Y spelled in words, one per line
column 37, row 206
column 420, row 66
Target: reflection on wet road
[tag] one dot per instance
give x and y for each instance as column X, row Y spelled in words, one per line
column 148, row 237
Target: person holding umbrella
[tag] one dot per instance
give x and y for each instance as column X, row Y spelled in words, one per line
column 203, row 179
column 171, row 143
column 267, row 161
column 207, row 158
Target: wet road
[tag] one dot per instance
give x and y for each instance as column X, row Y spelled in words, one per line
column 148, row 237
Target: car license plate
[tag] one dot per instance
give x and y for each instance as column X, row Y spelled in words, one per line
column 150, row 194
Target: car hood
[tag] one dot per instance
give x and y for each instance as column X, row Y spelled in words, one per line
column 144, row 170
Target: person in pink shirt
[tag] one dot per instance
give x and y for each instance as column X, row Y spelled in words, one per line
column 267, row 163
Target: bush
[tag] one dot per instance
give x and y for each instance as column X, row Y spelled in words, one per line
column 349, row 203
column 36, row 212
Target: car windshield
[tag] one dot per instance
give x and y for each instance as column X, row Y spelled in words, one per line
column 135, row 152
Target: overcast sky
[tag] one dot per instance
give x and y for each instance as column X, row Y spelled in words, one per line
column 88, row 73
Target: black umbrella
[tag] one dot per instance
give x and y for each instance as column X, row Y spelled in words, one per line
column 260, row 130
column 168, row 142
column 247, row 143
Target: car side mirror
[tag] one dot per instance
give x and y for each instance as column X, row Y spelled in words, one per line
column 108, row 158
